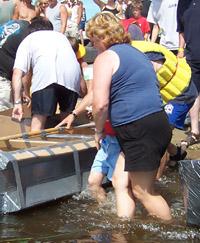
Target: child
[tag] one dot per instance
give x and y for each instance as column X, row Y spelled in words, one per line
column 136, row 8
column 80, row 53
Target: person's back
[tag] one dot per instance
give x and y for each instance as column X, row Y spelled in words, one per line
column 56, row 73
column 48, row 51
column 133, row 66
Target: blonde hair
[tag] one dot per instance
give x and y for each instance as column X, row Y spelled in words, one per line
column 137, row 4
column 106, row 25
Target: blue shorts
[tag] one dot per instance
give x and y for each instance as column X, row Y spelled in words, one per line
column 106, row 158
column 177, row 113
column 81, row 25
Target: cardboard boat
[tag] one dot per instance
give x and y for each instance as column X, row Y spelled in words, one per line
column 42, row 166
column 189, row 171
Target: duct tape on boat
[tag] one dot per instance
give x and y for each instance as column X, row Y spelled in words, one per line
column 3, row 161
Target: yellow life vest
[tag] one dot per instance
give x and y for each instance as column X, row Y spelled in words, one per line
column 175, row 74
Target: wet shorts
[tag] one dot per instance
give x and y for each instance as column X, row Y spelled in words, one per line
column 106, row 158
column 144, row 141
column 44, row 102
column 177, row 113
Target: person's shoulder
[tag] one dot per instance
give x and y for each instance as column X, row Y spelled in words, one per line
column 62, row 6
column 16, row 2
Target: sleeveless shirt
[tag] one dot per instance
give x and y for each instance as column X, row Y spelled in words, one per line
column 134, row 91
column 6, row 11
column 53, row 14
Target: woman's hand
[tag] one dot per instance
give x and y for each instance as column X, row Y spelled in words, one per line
column 98, row 136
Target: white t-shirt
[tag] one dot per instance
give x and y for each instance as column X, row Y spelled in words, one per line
column 163, row 13
column 52, row 59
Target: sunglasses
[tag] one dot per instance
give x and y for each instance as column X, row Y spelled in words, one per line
column 43, row 4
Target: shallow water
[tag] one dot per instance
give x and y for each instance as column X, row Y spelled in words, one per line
column 80, row 219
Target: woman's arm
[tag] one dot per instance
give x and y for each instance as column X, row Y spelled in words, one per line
column 104, row 67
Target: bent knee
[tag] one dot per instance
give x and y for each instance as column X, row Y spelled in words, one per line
column 95, row 179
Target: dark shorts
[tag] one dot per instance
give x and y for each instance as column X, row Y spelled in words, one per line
column 195, row 67
column 44, row 102
column 144, row 141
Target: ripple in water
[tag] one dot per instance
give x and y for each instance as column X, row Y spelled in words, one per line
column 80, row 219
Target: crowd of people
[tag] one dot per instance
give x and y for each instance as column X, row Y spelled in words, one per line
column 146, row 79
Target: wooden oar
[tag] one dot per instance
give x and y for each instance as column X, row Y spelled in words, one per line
column 44, row 131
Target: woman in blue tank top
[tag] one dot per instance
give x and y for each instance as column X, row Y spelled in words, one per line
column 125, row 88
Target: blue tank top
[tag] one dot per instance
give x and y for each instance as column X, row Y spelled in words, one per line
column 134, row 91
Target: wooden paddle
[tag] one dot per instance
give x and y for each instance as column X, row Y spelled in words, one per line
column 44, row 131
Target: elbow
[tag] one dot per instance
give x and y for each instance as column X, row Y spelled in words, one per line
column 101, row 107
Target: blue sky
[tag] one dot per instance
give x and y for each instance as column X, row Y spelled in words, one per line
column 91, row 8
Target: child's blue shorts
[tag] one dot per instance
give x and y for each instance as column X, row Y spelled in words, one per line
column 177, row 113
column 106, row 158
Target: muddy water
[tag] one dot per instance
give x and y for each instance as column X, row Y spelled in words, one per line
column 79, row 219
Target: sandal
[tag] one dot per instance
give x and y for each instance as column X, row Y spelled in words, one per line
column 191, row 139
column 178, row 156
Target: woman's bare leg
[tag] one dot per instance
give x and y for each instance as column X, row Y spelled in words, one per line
column 124, row 197
column 143, row 189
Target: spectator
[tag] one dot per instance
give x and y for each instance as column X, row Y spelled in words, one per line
column 81, row 26
column 74, row 18
column 163, row 16
column 189, row 35
column 6, row 10
column 57, row 14
column 136, row 8
column 11, row 35
column 109, row 6
column 145, row 8
column 43, row 4
column 25, row 11
column 49, row 53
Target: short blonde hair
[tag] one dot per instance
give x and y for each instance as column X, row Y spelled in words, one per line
column 109, row 27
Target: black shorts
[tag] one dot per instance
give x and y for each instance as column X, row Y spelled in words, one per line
column 144, row 141
column 195, row 67
column 44, row 102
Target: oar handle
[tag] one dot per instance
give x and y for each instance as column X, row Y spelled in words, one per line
column 44, row 131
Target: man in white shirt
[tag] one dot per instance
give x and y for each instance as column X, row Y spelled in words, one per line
column 56, row 73
column 163, row 16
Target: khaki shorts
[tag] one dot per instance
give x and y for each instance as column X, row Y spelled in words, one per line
column 72, row 31
column 6, row 97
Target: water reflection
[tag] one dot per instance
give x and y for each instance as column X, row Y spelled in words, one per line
column 80, row 219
